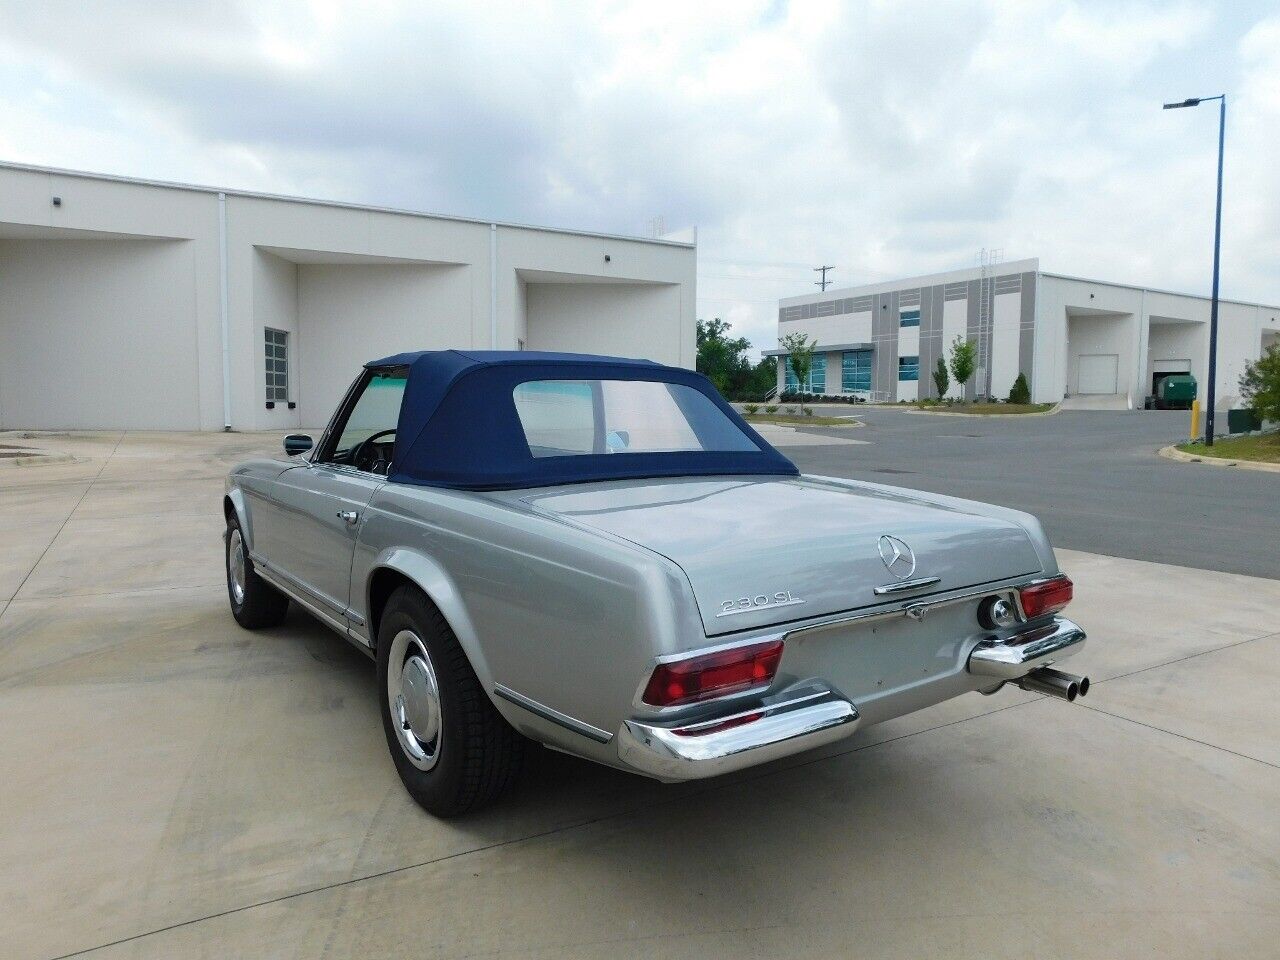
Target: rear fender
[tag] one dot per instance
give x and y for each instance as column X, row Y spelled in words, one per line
column 435, row 582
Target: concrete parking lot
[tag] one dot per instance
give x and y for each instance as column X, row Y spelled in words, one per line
column 174, row 786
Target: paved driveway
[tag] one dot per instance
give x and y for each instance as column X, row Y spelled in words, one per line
column 174, row 786
column 1092, row 477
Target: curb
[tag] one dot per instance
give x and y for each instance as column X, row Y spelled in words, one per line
column 801, row 423
column 1056, row 408
column 1173, row 453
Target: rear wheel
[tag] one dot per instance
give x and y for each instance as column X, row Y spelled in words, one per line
column 451, row 747
column 254, row 602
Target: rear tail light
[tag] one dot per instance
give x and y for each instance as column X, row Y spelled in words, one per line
column 1049, row 596
column 713, row 674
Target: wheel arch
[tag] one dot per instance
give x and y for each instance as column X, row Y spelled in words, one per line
column 233, row 506
column 404, row 567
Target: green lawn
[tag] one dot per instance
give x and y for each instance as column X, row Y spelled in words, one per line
column 800, row 420
column 986, row 408
column 1265, row 448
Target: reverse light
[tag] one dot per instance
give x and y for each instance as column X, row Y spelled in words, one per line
column 713, row 674
column 1049, row 596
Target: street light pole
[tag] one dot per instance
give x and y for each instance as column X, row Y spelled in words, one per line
column 1217, row 246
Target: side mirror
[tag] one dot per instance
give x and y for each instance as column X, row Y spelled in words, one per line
column 296, row 443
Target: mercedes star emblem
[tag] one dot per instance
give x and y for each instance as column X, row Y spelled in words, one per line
column 897, row 556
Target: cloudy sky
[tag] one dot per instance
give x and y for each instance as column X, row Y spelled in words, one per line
column 888, row 138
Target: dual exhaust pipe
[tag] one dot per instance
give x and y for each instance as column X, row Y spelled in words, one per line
column 1054, row 683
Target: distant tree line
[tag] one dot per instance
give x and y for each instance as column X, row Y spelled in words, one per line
column 722, row 358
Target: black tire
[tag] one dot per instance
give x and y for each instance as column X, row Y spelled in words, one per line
column 475, row 755
column 259, row 604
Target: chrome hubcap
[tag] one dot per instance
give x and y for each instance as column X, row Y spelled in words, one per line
column 236, row 566
column 414, row 699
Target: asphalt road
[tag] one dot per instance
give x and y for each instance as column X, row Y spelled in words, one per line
column 1093, row 478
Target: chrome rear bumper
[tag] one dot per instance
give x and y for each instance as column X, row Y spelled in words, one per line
column 721, row 745
column 1023, row 652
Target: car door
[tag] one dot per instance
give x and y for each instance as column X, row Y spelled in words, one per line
column 320, row 505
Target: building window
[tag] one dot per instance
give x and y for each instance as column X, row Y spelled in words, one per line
column 909, row 368
column 817, row 382
column 909, row 318
column 855, row 371
column 277, row 365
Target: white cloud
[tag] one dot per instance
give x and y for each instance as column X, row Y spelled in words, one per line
column 889, row 138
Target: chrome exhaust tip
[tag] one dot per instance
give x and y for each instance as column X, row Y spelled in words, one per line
column 1054, row 683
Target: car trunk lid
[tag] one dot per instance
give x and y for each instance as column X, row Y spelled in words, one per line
column 764, row 551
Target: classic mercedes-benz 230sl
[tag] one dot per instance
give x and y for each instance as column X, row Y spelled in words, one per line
column 600, row 555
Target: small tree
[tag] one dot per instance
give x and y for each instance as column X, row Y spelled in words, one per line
column 800, row 354
column 940, row 378
column 1260, row 384
column 964, row 355
column 1020, row 392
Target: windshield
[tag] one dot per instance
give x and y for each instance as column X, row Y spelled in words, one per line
column 573, row 417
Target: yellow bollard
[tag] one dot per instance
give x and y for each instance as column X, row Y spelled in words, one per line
column 1195, row 419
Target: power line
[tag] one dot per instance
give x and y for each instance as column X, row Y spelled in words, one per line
column 824, row 281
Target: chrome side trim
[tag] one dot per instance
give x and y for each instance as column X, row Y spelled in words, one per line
column 1023, row 652
column 778, row 730
column 906, row 585
column 295, row 584
column 276, row 580
column 554, row 716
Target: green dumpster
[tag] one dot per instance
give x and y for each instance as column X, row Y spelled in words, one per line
column 1176, row 392
column 1242, row 421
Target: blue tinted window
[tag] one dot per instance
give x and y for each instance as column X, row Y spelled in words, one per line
column 909, row 368
column 855, row 371
column 909, row 318
column 817, row 382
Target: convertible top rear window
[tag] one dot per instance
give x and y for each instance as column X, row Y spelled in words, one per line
column 505, row 420
column 577, row 417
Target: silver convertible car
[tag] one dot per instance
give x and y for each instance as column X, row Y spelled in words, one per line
column 601, row 556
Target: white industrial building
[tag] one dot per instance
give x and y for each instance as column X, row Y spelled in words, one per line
column 134, row 304
column 1071, row 337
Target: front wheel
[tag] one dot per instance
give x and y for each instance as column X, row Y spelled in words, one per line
column 254, row 602
column 453, row 750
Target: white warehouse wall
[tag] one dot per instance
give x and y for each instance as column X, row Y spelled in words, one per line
column 98, row 334
column 630, row 320
column 349, row 314
column 348, row 283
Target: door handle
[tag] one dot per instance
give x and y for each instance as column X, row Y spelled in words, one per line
column 348, row 516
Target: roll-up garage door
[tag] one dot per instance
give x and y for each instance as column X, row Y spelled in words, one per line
column 1098, row 373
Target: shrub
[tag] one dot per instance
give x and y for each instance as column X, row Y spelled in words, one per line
column 808, row 411
column 771, row 409
column 751, row 408
column 1020, row 392
column 940, row 378
column 1260, row 384
column 791, row 411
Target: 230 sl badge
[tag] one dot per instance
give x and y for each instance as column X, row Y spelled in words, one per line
column 782, row 598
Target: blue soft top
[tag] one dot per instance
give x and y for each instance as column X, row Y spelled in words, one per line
column 459, row 427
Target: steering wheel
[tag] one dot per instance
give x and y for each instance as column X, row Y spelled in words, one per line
column 367, row 450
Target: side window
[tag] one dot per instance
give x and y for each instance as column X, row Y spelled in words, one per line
column 277, row 365
column 366, row 438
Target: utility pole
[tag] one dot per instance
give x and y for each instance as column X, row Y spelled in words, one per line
column 824, row 281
